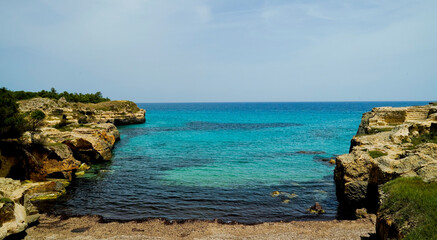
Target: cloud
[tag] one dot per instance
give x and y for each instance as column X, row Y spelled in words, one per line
column 204, row 50
column 204, row 13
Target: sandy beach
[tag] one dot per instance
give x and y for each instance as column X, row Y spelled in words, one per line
column 89, row 227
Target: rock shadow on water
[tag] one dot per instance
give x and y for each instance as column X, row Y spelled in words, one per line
column 310, row 152
column 324, row 133
column 205, row 126
column 330, row 161
column 181, row 162
column 209, row 126
column 288, row 154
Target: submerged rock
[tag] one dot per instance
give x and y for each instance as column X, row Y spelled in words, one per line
column 316, row 209
column 283, row 194
column 310, row 152
column 275, row 193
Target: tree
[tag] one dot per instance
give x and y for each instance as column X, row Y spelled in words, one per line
column 70, row 97
column 11, row 122
column 36, row 119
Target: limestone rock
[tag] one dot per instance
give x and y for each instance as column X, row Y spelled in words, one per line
column 88, row 136
column 59, row 153
column 361, row 213
column 316, row 209
column 16, row 208
column 116, row 112
column 71, row 135
column 382, row 150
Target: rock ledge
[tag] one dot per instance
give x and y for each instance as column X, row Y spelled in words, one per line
column 390, row 143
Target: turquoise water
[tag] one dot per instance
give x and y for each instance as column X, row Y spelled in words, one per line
column 222, row 161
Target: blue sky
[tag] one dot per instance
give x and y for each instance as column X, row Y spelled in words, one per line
column 222, row 50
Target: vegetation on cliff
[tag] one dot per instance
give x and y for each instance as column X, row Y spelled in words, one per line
column 70, row 97
column 377, row 154
column 54, row 139
column 14, row 123
column 390, row 143
column 412, row 205
column 424, row 138
column 11, row 122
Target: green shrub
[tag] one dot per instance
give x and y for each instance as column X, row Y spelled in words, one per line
column 424, row 138
column 35, row 119
column 11, row 122
column 414, row 202
column 70, row 97
column 377, row 154
column 37, row 115
column 6, row 200
column 62, row 124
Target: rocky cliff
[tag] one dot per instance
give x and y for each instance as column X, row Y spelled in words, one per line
column 70, row 134
column 390, row 143
column 61, row 111
column 69, row 138
column 16, row 208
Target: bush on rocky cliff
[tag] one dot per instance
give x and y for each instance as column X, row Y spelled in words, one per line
column 70, row 97
column 412, row 204
column 35, row 119
column 425, row 138
column 377, row 154
column 5, row 200
column 11, row 122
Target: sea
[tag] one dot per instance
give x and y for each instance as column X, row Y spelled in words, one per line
column 230, row 162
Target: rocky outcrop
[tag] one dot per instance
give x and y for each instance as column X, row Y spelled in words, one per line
column 57, row 111
column 16, row 208
column 390, row 142
column 71, row 134
column 51, row 153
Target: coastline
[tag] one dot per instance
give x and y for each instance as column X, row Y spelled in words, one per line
column 383, row 128
column 92, row 227
column 41, row 162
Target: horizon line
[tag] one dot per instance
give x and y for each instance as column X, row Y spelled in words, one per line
column 388, row 101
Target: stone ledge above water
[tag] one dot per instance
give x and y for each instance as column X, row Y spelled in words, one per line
column 390, row 143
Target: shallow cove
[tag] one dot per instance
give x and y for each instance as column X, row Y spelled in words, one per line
column 221, row 161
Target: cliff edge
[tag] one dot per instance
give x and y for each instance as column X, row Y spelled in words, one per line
column 63, row 142
column 390, row 143
column 70, row 135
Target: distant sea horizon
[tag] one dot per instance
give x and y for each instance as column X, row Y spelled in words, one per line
column 185, row 102
column 247, row 162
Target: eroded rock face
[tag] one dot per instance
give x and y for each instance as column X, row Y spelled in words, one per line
column 53, row 153
column 71, row 134
column 115, row 112
column 16, row 208
column 386, row 146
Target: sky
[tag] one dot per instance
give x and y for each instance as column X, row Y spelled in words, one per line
column 222, row 50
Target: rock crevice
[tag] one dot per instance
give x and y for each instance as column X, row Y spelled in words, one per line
column 390, row 143
column 71, row 136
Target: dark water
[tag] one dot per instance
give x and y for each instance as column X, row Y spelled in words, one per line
column 222, row 161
